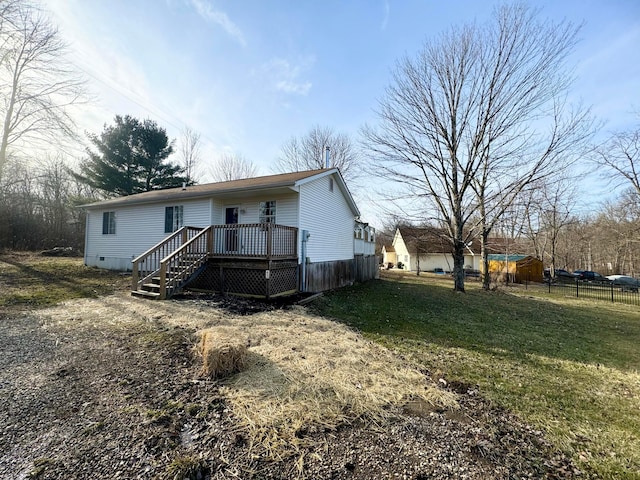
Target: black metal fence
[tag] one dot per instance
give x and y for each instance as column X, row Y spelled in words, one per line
column 597, row 291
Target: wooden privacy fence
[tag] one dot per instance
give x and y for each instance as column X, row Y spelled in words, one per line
column 323, row 276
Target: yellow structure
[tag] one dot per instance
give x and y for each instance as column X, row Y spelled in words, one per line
column 519, row 268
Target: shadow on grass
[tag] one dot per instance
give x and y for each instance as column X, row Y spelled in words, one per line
column 50, row 282
column 489, row 322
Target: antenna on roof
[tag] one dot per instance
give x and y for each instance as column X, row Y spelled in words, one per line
column 327, row 157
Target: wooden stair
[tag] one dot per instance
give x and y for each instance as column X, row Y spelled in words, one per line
column 150, row 291
column 167, row 267
column 180, row 272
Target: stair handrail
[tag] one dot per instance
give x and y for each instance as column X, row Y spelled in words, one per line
column 189, row 269
column 136, row 281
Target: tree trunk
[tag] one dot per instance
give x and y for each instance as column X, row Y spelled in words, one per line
column 458, row 266
column 4, row 141
column 486, row 278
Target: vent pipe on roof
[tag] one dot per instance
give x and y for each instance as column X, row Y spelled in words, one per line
column 327, row 158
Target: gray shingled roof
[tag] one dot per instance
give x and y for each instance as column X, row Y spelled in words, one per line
column 212, row 189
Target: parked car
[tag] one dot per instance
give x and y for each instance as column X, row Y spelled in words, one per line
column 438, row 271
column 559, row 273
column 590, row 276
column 626, row 283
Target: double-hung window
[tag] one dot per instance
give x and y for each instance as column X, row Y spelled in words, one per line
column 108, row 223
column 268, row 212
column 173, row 218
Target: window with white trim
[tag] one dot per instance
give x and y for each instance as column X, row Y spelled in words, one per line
column 173, row 218
column 108, row 223
column 268, row 212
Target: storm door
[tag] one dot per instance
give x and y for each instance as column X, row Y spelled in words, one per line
column 231, row 234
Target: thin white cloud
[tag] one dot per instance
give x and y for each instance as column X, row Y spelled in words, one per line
column 385, row 20
column 285, row 76
column 208, row 13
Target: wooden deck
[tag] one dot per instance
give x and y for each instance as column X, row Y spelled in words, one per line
column 234, row 250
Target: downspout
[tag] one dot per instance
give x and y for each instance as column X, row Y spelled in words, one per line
column 303, row 267
column 86, row 235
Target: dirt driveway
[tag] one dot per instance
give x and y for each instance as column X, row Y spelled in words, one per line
column 109, row 388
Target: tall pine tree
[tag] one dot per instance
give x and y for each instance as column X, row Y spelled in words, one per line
column 130, row 158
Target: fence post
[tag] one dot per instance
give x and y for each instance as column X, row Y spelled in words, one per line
column 269, row 240
column 134, row 276
column 163, row 280
column 210, row 239
column 611, row 292
column 577, row 288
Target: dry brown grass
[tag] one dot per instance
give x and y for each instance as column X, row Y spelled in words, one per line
column 302, row 373
column 221, row 356
column 307, row 374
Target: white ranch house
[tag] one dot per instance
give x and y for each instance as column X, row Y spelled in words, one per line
column 261, row 236
column 425, row 249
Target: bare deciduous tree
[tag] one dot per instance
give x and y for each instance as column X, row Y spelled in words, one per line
column 55, row 180
column 190, row 155
column 504, row 175
column 308, row 152
column 620, row 155
column 549, row 208
column 232, row 167
column 462, row 124
column 37, row 85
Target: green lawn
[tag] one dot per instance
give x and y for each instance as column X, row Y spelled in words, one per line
column 30, row 280
column 567, row 366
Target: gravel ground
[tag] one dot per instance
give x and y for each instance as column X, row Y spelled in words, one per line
column 120, row 396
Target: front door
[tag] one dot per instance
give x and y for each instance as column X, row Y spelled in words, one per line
column 231, row 234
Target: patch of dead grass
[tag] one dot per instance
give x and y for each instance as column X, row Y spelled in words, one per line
column 307, row 374
column 303, row 374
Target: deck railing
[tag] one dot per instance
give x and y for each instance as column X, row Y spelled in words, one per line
column 147, row 265
column 179, row 265
column 172, row 261
column 263, row 240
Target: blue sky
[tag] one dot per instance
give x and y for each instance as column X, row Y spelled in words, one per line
column 249, row 74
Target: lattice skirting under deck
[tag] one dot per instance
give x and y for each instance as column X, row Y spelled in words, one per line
column 248, row 278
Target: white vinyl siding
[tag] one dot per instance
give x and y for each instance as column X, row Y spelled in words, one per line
column 249, row 209
column 328, row 218
column 442, row 260
column 138, row 228
column 402, row 254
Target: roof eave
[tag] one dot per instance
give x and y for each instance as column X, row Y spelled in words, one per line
column 182, row 195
